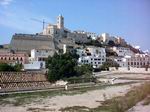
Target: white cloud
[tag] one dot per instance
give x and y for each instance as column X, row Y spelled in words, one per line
column 5, row 2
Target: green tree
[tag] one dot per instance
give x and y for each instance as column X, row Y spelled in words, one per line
column 63, row 66
column 84, row 70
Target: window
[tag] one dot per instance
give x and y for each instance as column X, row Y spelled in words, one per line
column 134, row 63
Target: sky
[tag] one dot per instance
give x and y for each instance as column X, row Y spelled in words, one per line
column 129, row 19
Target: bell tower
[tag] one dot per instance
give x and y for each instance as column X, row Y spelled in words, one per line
column 60, row 22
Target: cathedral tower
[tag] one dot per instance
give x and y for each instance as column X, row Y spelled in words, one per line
column 60, row 22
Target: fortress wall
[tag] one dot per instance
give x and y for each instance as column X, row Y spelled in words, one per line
column 28, row 42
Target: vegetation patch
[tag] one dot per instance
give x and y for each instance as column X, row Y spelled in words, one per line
column 40, row 109
column 7, row 67
column 75, row 109
column 63, row 66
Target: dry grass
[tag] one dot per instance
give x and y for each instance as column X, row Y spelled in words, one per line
column 118, row 104
column 123, row 103
column 146, row 101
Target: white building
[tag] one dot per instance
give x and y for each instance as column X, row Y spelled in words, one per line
column 41, row 54
column 89, row 34
column 93, row 55
column 123, row 51
column 122, row 61
column 34, row 65
column 37, row 59
column 105, row 37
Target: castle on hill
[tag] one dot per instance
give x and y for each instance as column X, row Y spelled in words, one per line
column 53, row 38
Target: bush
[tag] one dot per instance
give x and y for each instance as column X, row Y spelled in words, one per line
column 7, row 67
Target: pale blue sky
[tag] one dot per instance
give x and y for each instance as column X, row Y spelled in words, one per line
column 127, row 18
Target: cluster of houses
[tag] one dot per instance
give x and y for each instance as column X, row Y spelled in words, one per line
column 95, row 56
column 31, row 50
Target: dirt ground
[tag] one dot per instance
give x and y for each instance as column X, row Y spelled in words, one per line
column 90, row 99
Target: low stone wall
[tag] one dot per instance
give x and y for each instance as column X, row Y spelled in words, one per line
column 17, row 81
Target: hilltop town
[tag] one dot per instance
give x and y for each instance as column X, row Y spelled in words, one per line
column 32, row 50
column 59, row 70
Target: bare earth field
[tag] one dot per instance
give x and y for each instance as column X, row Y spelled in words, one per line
column 90, row 99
